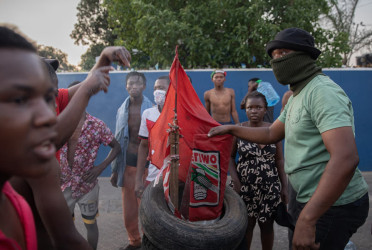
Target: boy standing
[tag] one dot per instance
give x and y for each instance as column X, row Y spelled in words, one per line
column 79, row 175
column 220, row 101
column 124, row 167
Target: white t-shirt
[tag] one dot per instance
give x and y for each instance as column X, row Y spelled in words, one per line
column 149, row 117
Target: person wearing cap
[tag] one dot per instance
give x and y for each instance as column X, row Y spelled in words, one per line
column 321, row 156
column 220, row 101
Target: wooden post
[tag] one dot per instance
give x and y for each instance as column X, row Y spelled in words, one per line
column 174, row 137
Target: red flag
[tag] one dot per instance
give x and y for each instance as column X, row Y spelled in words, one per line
column 193, row 119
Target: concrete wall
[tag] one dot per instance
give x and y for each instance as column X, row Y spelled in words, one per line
column 357, row 83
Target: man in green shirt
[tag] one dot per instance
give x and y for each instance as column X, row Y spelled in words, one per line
column 321, row 157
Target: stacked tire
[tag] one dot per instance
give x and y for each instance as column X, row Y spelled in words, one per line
column 163, row 230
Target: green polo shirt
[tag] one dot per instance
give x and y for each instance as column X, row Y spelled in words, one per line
column 320, row 106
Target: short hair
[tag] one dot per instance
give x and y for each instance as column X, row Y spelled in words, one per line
column 51, row 72
column 255, row 79
column 73, row 83
column 135, row 73
column 10, row 39
column 164, row 78
column 256, row 94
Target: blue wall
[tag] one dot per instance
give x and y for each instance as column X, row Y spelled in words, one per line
column 357, row 83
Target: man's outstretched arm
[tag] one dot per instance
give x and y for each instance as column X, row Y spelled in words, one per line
column 261, row 135
column 108, row 55
column 67, row 121
column 98, row 79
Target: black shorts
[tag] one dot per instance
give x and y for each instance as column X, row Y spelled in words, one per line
column 131, row 159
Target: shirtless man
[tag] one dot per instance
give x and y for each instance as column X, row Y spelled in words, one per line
column 124, row 167
column 220, row 101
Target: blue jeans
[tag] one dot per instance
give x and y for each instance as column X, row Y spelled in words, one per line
column 339, row 223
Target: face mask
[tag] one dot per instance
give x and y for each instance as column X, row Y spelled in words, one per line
column 159, row 97
column 293, row 68
column 286, row 68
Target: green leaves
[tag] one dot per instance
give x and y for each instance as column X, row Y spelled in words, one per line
column 210, row 33
column 54, row 53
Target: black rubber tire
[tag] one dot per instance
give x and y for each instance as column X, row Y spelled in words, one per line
column 147, row 244
column 166, row 231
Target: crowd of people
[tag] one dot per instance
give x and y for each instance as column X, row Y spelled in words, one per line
column 49, row 146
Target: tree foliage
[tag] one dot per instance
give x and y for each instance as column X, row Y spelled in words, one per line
column 45, row 51
column 211, row 33
column 92, row 29
column 92, row 24
column 51, row 52
column 88, row 59
column 341, row 18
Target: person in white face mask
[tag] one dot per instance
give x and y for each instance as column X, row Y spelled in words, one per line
column 159, row 97
column 149, row 118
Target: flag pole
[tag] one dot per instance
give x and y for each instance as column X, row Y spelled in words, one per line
column 174, row 149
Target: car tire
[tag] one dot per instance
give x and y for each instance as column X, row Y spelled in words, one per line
column 166, row 231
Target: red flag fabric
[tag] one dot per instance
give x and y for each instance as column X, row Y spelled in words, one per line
column 193, row 119
column 209, row 163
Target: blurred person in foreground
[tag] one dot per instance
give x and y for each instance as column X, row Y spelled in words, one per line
column 55, row 228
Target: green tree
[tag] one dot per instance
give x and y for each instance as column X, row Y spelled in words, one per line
column 51, row 52
column 211, row 33
column 216, row 33
column 341, row 19
column 46, row 51
column 92, row 29
column 92, row 24
column 88, row 59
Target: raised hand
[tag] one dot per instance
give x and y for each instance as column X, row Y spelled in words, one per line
column 97, row 80
column 252, row 86
column 92, row 175
column 111, row 54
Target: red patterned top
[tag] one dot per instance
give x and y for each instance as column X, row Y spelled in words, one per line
column 94, row 133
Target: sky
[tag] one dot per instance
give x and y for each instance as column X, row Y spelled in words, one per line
column 50, row 22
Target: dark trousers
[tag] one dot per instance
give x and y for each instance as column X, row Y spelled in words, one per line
column 291, row 210
column 339, row 223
